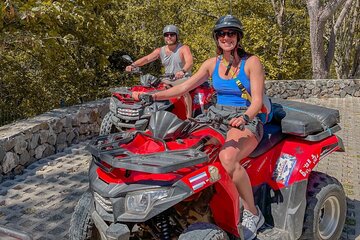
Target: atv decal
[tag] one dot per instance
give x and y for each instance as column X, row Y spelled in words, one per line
column 310, row 162
column 283, row 169
column 198, row 180
column 214, row 174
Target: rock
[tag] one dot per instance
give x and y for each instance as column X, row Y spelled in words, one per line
column 58, row 126
column 330, row 84
column 52, row 138
column 8, row 144
column 18, row 170
column 84, row 129
column 70, row 137
column 39, row 151
column 61, row 138
column 49, row 150
column 83, row 116
column 34, row 140
column 310, row 86
column 342, row 93
column 21, row 144
column 44, row 134
column 11, row 160
column 75, row 122
column 94, row 116
column 61, row 147
column 44, row 126
column 24, row 158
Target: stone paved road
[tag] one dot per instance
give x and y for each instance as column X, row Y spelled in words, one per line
column 41, row 200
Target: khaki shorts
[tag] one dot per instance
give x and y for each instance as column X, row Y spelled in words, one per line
column 228, row 112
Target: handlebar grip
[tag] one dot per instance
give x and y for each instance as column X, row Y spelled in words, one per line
column 146, row 98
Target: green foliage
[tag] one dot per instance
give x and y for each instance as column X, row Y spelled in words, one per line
column 57, row 51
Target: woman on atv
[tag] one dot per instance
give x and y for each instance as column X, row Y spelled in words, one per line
column 238, row 78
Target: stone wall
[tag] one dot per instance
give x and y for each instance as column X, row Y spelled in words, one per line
column 26, row 141
column 325, row 88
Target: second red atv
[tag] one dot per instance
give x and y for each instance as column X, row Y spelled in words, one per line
column 125, row 113
column 168, row 183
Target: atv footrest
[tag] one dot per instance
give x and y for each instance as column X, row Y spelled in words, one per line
column 163, row 162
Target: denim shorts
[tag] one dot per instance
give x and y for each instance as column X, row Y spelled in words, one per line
column 228, row 112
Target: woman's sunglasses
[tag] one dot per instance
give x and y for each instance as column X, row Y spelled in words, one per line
column 222, row 34
column 169, row 34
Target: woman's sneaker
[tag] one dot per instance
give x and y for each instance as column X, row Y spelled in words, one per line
column 251, row 223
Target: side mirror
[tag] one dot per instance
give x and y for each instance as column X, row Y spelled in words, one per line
column 127, row 58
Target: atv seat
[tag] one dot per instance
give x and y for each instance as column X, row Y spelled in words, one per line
column 272, row 135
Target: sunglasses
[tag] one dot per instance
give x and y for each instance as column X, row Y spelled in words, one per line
column 222, row 34
column 169, row 34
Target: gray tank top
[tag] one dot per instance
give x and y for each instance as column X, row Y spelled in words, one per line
column 172, row 62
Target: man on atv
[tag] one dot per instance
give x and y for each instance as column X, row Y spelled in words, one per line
column 175, row 57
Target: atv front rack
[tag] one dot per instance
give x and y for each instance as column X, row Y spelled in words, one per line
column 161, row 162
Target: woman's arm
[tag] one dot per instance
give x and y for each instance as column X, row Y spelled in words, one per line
column 196, row 80
column 255, row 71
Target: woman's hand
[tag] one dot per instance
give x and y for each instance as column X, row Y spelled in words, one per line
column 237, row 122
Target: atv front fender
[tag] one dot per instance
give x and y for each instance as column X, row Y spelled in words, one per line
column 116, row 231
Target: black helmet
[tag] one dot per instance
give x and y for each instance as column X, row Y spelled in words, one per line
column 228, row 21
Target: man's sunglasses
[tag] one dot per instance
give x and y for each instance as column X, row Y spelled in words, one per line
column 169, row 34
column 222, row 34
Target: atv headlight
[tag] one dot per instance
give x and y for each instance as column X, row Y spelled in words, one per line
column 141, row 201
column 112, row 105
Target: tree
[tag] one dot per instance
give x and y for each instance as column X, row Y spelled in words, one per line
column 347, row 52
column 320, row 12
column 54, row 52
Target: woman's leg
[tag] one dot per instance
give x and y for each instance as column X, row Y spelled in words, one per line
column 238, row 145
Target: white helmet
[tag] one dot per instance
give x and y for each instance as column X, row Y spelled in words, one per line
column 171, row 28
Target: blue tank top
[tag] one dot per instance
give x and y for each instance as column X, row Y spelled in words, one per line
column 228, row 92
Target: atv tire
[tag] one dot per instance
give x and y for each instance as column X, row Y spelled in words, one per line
column 82, row 226
column 325, row 208
column 107, row 126
column 203, row 231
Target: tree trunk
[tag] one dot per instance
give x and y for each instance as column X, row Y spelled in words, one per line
column 279, row 9
column 319, row 15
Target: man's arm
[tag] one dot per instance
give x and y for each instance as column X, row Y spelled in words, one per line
column 188, row 61
column 144, row 60
column 188, row 58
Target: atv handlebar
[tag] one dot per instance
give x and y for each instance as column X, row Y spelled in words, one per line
column 216, row 122
column 146, row 99
column 218, row 119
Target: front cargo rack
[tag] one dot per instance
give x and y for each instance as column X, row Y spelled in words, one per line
column 161, row 162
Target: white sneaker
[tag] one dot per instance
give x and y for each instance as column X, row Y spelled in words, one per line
column 251, row 223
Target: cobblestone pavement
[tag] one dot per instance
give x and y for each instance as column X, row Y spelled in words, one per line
column 42, row 199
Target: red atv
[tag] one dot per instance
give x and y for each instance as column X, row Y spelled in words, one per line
column 167, row 182
column 126, row 113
